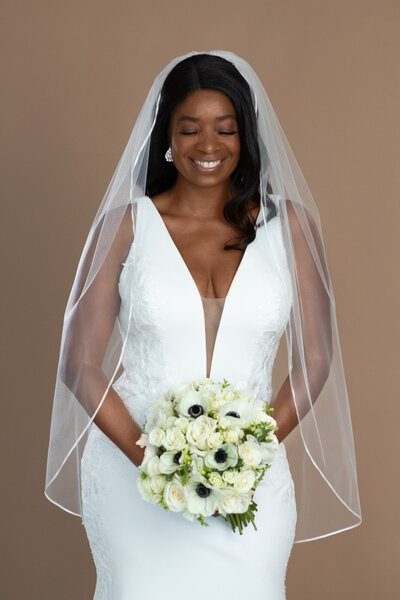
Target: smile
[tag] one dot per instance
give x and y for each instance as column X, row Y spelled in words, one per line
column 207, row 166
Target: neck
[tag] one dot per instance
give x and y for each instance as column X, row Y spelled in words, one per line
column 200, row 202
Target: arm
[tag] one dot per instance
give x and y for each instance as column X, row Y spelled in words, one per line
column 91, row 323
column 315, row 348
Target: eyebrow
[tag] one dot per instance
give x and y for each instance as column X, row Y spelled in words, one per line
column 193, row 119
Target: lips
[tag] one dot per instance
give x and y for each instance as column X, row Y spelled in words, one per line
column 207, row 166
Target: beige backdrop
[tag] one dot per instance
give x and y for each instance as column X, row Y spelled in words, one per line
column 74, row 75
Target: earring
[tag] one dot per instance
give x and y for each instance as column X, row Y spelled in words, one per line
column 168, row 155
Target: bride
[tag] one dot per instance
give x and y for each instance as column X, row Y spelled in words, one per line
column 205, row 249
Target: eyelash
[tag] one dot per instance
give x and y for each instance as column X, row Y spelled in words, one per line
column 194, row 132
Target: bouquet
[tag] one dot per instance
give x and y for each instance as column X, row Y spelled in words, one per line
column 207, row 447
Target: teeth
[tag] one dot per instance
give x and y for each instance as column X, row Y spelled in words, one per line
column 208, row 165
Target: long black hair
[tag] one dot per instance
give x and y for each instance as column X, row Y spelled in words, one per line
column 208, row 71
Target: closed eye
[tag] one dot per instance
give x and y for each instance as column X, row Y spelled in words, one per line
column 193, row 132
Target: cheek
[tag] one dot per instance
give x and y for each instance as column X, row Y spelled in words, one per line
column 235, row 146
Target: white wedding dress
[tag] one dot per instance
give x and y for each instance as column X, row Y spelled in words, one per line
column 140, row 550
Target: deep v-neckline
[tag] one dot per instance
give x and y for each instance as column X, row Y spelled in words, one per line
column 199, row 299
column 186, row 268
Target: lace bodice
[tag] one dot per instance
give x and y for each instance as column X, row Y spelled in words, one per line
column 177, row 335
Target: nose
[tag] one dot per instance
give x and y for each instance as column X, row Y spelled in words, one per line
column 207, row 142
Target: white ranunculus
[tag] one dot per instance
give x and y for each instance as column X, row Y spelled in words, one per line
column 230, row 475
column 174, row 439
column 192, row 398
column 174, row 496
column 233, row 502
column 215, row 479
column 198, row 431
column 250, row 452
column 153, row 466
column 245, row 481
column 215, row 439
column 146, row 490
column 157, row 436
column 269, row 450
column 167, row 464
column 157, row 483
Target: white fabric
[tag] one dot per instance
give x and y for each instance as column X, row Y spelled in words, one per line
column 136, row 545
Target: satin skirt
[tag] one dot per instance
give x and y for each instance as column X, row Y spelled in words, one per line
column 143, row 552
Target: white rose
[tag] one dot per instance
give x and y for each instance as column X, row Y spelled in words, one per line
column 250, row 452
column 231, row 436
column 157, row 483
column 199, row 430
column 153, row 466
column 145, row 490
column 182, row 423
column 233, row 502
column 245, row 481
column 174, row 496
column 230, row 476
column 171, row 421
column 215, row 439
column 174, row 439
column 157, row 436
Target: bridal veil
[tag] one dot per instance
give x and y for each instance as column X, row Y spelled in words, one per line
column 321, row 447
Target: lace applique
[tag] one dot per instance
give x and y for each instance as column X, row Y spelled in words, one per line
column 94, row 491
column 144, row 362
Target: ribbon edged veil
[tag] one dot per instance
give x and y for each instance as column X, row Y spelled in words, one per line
column 320, row 449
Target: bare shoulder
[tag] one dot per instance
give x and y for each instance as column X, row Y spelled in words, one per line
column 161, row 202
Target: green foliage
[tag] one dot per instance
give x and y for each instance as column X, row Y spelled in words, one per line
column 202, row 521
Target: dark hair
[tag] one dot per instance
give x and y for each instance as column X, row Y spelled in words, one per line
column 207, row 71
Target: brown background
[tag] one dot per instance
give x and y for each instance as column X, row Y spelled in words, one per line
column 74, row 76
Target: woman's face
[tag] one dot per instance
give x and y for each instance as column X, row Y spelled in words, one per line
column 204, row 138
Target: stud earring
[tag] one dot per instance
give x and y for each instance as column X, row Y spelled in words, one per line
column 168, row 155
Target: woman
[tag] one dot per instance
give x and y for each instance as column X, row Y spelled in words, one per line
column 195, row 264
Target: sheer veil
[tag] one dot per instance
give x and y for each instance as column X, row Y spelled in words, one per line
column 321, row 448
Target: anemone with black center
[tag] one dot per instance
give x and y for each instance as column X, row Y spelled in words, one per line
column 220, row 456
column 196, row 410
column 202, row 490
column 177, row 456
